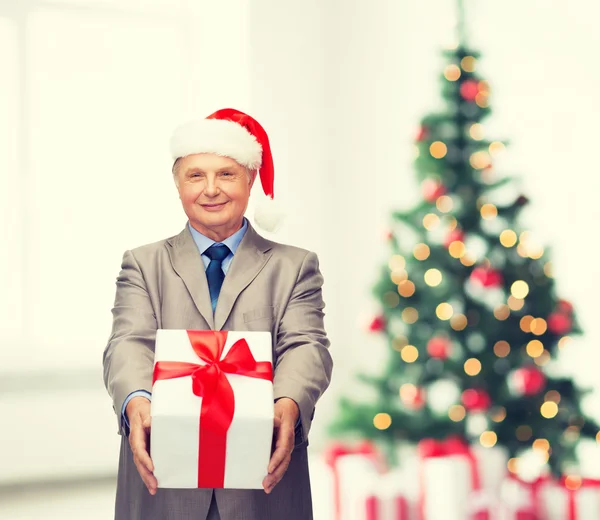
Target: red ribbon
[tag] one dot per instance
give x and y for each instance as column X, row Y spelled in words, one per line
column 373, row 511
column 534, row 494
column 430, row 448
column 332, row 455
column 571, row 502
column 210, row 382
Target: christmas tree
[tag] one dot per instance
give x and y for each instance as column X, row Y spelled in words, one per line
column 469, row 305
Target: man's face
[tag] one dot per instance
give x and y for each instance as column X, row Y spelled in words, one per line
column 214, row 192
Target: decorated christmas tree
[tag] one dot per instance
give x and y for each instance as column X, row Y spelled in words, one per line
column 469, row 306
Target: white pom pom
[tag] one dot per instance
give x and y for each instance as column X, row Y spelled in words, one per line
column 268, row 215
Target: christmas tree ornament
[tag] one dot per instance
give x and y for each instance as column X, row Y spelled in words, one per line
column 422, row 134
column 432, row 189
column 559, row 323
column 469, row 90
column 564, row 307
column 487, row 277
column 412, row 397
column 377, row 324
column 439, row 347
column 456, row 235
column 476, row 400
column 527, row 381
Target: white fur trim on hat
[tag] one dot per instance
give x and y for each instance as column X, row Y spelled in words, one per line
column 218, row 136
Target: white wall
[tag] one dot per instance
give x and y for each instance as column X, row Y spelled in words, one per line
column 339, row 85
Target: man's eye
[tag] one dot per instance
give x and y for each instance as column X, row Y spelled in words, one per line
column 227, row 174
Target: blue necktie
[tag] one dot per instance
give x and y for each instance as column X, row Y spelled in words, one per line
column 214, row 272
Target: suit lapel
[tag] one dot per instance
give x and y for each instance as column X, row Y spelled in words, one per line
column 251, row 256
column 187, row 262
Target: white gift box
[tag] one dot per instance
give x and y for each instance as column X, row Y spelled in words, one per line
column 178, row 438
column 560, row 503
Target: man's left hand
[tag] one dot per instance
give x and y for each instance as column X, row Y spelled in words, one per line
column 286, row 416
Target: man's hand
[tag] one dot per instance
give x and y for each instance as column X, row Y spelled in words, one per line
column 138, row 413
column 286, row 416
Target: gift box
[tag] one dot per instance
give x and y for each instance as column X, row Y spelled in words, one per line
column 521, row 499
column 571, row 498
column 355, row 471
column 448, row 476
column 212, row 409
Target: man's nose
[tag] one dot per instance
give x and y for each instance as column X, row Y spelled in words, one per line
column 211, row 189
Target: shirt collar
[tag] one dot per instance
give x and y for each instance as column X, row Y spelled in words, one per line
column 232, row 242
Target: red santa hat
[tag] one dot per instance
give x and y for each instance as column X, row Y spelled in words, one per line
column 231, row 133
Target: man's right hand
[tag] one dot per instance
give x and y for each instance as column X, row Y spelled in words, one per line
column 138, row 414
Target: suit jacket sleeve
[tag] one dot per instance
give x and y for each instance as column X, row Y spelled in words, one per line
column 129, row 355
column 303, row 362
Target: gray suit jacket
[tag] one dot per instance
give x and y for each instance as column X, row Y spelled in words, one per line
column 269, row 286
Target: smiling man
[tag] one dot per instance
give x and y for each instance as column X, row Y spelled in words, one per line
column 218, row 274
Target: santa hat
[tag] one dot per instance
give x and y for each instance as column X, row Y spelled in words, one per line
column 231, row 133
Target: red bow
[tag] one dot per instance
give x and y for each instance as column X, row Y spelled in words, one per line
column 218, row 402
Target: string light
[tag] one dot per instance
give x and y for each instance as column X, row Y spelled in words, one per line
column 409, row 354
column 542, row 359
column 548, row 269
column 525, row 323
column 598, row 437
column 433, row 277
column 458, row 322
column 480, row 160
column 519, row 289
column 457, row 413
column 498, row 414
column 512, row 465
column 468, row 63
column 535, row 348
column 488, row 439
column 421, row 252
column 496, row 147
column 515, row 304
column 538, row 326
column 502, row 349
column 541, row 445
column 444, row 311
column 489, row 211
column 452, row 73
column 457, row 249
column 484, row 87
column 552, row 395
column 482, row 100
column 467, row 260
column 549, row 409
column 502, row 312
column 408, row 392
column 451, row 223
column 410, row 315
column 476, row 131
column 444, row 204
column 572, row 482
column 391, row 299
column 472, row 366
column 508, row 238
column 398, row 276
column 382, row 421
column 572, row 434
column 397, row 262
column 524, row 433
column 438, row 150
column 564, row 342
column 406, row 288
column 399, row 342
column 431, row 221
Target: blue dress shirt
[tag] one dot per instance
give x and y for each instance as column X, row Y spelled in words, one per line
column 202, row 243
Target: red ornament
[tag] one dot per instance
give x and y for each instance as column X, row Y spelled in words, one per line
column 469, row 90
column 559, row 323
column 528, row 380
column 377, row 324
column 456, row 235
column 422, row 134
column 564, row 307
column 432, row 189
column 487, row 277
column 476, row 400
column 413, row 398
column 388, row 235
column 439, row 347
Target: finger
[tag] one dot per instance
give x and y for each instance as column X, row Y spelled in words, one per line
column 139, row 445
column 271, row 480
column 147, row 477
column 283, row 447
